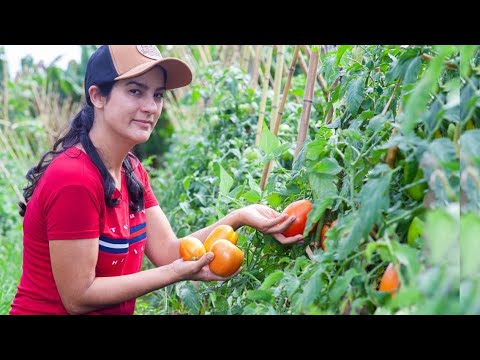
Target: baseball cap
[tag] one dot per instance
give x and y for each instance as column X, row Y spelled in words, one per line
column 116, row 62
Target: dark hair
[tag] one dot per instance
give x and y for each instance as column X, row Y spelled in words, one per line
column 78, row 133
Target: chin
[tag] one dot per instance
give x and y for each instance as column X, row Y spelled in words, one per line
column 140, row 138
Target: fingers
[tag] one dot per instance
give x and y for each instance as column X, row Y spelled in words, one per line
column 275, row 221
column 282, row 225
column 204, row 260
column 288, row 240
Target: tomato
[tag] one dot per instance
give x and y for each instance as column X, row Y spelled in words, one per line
column 300, row 210
column 390, row 280
column 191, row 248
column 225, row 232
column 324, row 230
column 228, row 258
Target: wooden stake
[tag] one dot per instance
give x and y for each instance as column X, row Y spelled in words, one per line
column 263, row 101
column 268, row 167
column 307, row 102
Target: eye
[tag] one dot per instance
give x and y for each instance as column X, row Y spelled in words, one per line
column 160, row 95
column 135, row 91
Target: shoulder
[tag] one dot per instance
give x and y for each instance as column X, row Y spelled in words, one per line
column 73, row 167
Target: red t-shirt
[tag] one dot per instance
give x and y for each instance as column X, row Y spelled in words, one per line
column 67, row 204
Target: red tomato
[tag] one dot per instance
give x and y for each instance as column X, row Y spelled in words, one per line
column 300, row 210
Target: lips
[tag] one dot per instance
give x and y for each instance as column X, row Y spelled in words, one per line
column 145, row 124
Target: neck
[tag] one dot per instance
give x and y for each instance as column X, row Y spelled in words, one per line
column 111, row 150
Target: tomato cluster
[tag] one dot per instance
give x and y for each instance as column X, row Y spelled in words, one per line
column 222, row 243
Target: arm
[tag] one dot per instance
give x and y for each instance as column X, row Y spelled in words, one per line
column 162, row 244
column 73, row 266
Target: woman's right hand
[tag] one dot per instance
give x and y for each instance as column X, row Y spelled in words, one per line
column 198, row 270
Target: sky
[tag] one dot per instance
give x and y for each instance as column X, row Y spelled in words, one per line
column 45, row 53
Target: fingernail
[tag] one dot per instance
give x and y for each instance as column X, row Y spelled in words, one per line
column 209, row 256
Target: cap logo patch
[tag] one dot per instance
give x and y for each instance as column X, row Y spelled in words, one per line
column 150, row 51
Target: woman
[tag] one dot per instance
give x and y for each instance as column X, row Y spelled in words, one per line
column 90, row 213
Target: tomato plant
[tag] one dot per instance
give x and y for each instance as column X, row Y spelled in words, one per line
column 300, row 210
column 221, row 232
column 191, row 248
column 228, row 258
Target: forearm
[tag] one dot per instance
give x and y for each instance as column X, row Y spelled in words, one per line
column 107, row 291
column 235, row 219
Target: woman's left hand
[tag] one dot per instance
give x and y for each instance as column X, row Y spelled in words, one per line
column 269, row 221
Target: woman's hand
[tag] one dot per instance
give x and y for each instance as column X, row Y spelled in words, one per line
column 198, row 270
column 269, row 221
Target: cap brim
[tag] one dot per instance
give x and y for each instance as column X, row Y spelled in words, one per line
column 179, row 73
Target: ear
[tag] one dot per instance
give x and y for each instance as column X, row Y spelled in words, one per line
column 97, row 99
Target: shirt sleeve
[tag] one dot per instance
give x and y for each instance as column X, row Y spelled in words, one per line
column 72, row 212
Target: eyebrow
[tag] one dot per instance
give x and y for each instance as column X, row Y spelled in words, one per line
column 143, row 86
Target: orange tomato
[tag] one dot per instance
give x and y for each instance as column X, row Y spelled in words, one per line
column 324, row 230
column 228, row 258
column 225, row 232
column 191, row 248
column 300, row 210
column 390, row 281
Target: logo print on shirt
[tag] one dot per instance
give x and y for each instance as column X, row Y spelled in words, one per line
column 113, row 229
column 132, row 216
column 125, row 227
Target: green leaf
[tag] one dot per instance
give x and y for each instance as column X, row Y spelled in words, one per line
column 317, row 149
column 252, row 196
column 466, row 54
column 268, row 141
column 412, row 70
column 186, row 182
column 377, row 123
column 340, row 51
column 418, row 100
column 253, row 184
column 469, row 245
column 407, row 256
column 274, row 199
column 354, row 95
column 188, row 296
column 226, row 181
column 374, row 199
column 272, row 279
column 327, row 166
column 400, row 67
column 260, row 295
column 341, row 284
column 442, row 236
column 312, row 289
column 323, row 185
column 415, row 230
column 470, row 145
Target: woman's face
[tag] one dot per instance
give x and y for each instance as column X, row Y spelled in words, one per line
column 134, row 106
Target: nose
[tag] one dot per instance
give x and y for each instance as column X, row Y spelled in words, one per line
column 150, row 105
